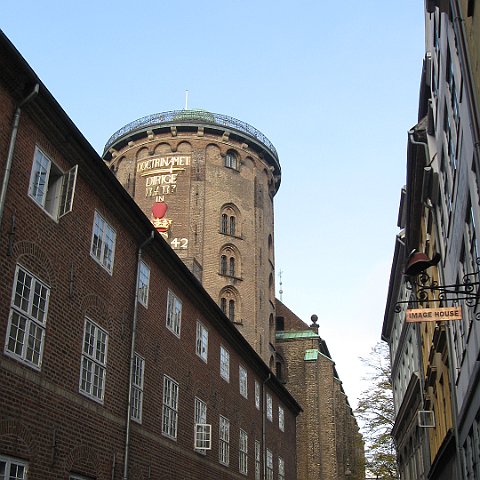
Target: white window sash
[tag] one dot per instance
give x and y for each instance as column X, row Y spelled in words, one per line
column 202, row 341
column 69, row 182
column 25, row 336
column 94, row 361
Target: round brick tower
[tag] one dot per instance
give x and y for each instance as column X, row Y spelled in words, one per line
column 207, row 183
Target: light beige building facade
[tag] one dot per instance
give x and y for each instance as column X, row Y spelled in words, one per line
column 207, row 183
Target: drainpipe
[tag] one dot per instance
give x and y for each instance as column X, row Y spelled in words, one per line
column 264, row 421
column 11, row 147
column 132, row 356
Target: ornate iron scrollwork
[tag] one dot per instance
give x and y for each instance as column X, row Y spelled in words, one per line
column 425, row 290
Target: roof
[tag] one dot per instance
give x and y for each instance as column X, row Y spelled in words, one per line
column 293, row 335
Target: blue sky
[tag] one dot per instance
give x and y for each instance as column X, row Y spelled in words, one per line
column 334, row 86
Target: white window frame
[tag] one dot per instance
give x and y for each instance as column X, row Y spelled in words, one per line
column 170, row 407
column 231, row 160
column 203, row 431
column 102, row 248
column 257, row 395
column 203, row 438
column 93, row 365
column 281, row 468
column 25, row 338
column 269, row 465
column 12, row 467
column 174, row 313
column 224, row 363
column 257, row 460
column 243, row 453
column 281, row 418
column 137, row 388
column 202, row 341
column 224, row 441
column 143, row 283
column 269, row 407
column 51, row 188
column 243, row 381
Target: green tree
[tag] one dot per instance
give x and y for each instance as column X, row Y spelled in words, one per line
column 376, row 414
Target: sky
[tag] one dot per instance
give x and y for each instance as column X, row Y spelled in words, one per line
column 333, row 85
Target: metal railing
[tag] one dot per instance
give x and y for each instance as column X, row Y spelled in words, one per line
column 195, row 117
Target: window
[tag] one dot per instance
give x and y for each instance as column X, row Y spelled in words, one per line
column 13, row 469
column 231, row 160
column 257, row 395
column 224, row 224
column 281, row 418
column 281, row 469
column 224, row 364
column 94, row 361
column 28, row 316
column 229, row 305
column 228, row 221
column 230, row 261
column 223, row 265
column 471, row 239
column 202, row 438
column 231, row 308
column 170, row 407
column 143, row 283
column 243, row 453
column 51, row 188
column 257, row 460
column 137, row 388
column 269, row 465
column 231, row 266
column 242, row 372
column 202, row 341
column 224, row 441
column 269, row 407
column 174, row 313
column 103, row 243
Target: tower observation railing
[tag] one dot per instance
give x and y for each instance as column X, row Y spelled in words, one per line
column 195, row 117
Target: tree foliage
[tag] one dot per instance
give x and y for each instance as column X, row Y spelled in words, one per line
column 376, row 414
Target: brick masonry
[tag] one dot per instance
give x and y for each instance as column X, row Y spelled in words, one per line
column 44, row 418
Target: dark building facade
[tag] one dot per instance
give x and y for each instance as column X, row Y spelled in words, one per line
column 435, row 360
column 116, row 363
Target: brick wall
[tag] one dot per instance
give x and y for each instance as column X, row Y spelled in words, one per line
column 45, row 420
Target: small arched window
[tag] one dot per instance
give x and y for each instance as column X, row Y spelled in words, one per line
column 224, row 224
column 223, row 265
column 223, row 305
column 230, row 221
column 230, row 304
column 231, row 160
column 232, row 267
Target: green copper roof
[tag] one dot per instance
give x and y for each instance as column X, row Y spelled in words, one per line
column 296, row 334
column 311, row 354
